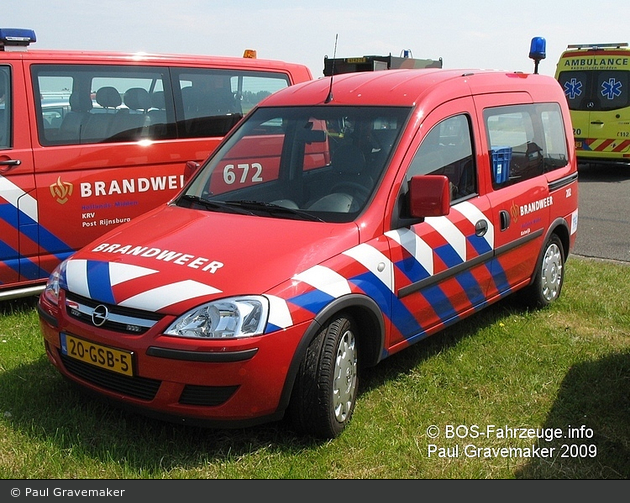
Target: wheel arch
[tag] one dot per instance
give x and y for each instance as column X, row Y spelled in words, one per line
column 560, row 228
column 371, row 335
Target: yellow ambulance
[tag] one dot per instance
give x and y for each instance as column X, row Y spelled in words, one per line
column 596, row 82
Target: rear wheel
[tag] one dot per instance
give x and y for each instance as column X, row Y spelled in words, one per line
column 325, row 391
column 549, row 277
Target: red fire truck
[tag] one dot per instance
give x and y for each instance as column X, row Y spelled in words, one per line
column 327, row 232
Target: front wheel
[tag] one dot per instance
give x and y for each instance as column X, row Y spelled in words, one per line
column 325, row 391
column 549, row 275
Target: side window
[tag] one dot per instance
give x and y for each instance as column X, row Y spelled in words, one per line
column 525, row 141
column 250, row 89
column 213, row 101
column 98, row 103
column 447, row 150
column 5, row 107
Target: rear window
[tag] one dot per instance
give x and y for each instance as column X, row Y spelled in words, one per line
column 596, row 90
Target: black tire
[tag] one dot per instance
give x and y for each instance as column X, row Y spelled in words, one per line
column 325, row 391
column 549, row 275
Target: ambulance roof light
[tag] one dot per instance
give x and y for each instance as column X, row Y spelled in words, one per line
column 537, row 51
column 16, row 38
column 597, row 46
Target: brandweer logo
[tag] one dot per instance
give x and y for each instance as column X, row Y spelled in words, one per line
column 61, row 191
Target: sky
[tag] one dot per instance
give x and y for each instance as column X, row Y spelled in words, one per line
column 464, row 33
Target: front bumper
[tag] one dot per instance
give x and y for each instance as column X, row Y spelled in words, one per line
column 207, row 382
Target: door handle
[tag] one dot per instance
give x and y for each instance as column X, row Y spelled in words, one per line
column 9, row 164
column 505, row 219
column 597, row 123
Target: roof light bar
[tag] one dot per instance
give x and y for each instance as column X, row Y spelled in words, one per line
column 16, row 38
column 596, row 46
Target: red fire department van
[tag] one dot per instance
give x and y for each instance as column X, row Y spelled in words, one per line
column 91, row 140
column 342, row 221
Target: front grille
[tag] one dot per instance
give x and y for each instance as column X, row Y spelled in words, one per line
column 137, row 387
column 119, row 319
column 206, row 395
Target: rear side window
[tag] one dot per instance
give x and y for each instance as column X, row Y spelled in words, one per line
column 5, row 107
column 213, row 101
column 525, row 141
column 105, row 103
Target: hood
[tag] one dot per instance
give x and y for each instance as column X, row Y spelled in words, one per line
column 172, row 259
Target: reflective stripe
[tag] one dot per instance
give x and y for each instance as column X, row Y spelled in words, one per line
column 374, row 261
column 325, row 280
column 167, row 295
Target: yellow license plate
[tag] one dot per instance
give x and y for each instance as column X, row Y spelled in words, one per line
column 104, row 357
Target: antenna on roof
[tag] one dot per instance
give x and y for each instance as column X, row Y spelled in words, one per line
column 329, row 98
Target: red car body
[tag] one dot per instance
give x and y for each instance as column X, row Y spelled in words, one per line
column 421, row 252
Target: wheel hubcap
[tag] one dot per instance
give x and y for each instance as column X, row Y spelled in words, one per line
column 551, row 273
column 345, row 379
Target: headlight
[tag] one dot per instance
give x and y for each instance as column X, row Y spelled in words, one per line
column 226, row 318
column 53, row 285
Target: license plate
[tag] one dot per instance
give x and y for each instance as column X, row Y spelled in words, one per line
column 116, row 360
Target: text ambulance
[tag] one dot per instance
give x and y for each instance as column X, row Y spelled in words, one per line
column 596, row 82
column 91, row 140
column 340, row 222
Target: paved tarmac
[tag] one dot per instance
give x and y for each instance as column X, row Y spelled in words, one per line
column 604, row 212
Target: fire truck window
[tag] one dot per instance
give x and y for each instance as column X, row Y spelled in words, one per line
column 447, row 150
column 213, row 101
column 5, row 111
column 101, row 103
column 525, row 141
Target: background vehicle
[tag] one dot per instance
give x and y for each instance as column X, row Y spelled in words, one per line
column 596, row 82
column 89, row 140
column 374, row 63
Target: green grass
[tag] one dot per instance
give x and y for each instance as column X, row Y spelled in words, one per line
column 562, row 367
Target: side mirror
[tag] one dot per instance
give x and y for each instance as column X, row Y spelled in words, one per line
column 429, row 196
column 190, row 169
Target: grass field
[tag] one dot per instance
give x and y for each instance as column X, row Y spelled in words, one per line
column 504, row 394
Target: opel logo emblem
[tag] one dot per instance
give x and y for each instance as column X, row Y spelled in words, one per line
column 99, row 315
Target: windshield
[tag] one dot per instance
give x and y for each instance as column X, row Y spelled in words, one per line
column 315, row 163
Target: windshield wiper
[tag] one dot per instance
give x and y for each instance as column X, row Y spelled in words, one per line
column 274, row 209
column 211, row 204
